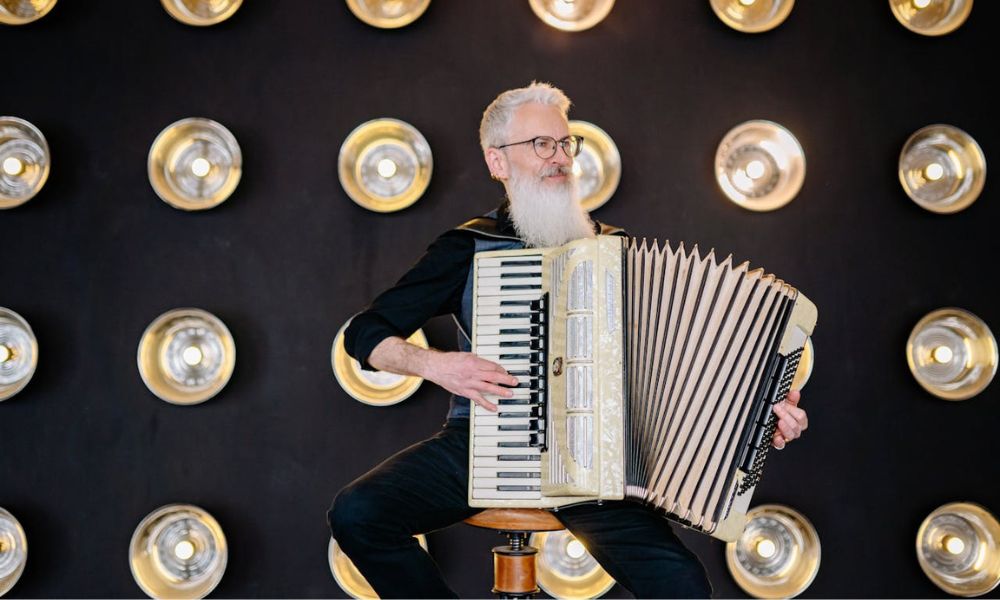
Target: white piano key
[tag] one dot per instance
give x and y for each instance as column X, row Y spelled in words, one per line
column 483, row 271
column 486, row 472
column 498, row 495
column 488, row 301
column 502, row 321
column 496, row 261
column 493, row 440
column 495, row 420
column 504, row 451
column 488, row 340
column 494, row 290
column 492, row 431
column 493, row 482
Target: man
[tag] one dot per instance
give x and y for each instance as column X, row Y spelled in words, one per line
column 526, row 143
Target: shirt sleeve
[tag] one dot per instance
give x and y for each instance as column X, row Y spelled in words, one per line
column 432, row 287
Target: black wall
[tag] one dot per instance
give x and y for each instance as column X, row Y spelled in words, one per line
column 86, row 451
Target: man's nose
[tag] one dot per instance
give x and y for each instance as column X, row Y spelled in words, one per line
column 561, row 158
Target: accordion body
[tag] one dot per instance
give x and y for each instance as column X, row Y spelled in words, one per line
column 645, row 373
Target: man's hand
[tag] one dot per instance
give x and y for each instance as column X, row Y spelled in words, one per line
column 792, row 420
column 466, row 374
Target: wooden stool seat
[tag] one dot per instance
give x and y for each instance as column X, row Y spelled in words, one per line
column 514, row 564
column 516, row 519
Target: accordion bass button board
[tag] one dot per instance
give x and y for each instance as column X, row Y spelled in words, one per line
column 645, row 372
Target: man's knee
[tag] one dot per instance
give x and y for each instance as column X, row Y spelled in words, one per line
column 350, row 513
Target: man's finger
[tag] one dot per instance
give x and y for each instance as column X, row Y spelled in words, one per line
column 480, row 401
column 496, row 390
column 793, row 397
column 778, row 441
column 788, row 428
column 498, row 377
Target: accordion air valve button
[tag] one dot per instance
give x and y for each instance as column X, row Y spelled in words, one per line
column 557, row 366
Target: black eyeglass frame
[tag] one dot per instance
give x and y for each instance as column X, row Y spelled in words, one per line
column 563, row 143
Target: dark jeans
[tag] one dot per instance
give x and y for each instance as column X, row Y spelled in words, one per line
column 425, row 487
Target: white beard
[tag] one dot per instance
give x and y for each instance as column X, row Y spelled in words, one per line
column 547, row 215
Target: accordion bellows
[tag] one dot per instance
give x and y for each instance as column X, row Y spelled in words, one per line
column 647, row 372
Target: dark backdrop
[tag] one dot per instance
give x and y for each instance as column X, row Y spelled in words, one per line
column 86, row 451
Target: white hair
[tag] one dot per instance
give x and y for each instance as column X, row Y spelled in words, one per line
column 500, row 112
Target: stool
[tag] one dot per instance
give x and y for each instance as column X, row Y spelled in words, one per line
column 514, row 564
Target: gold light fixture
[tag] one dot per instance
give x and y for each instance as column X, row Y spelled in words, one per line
column 13, row 551
column 24, row 161
column 388, row 14
column 566, row 569
column 201, row 12
column 778, row 554
column 760, row 165
column 178, row 551
column 18, row 353
column 931, row 17
column 186, row 356
column 347, row 575
column 805, row 367
column 598, row 168
column 958, row 547
column 952, row 354
column 942, row 168
column 385, row 165
column 194, row 164
column 752, row 16
column 572, row 15
column 377, row 388
column 20, row 12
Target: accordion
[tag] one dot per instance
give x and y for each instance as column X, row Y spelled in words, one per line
column 645, row 373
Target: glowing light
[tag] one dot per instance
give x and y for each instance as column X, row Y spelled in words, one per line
column 575, row 549
column 200, row 167
column 386, row 168
column 12, row 166
column 747, row 2
column 953, row 545
column 920, row 4
column 765, row 548
column 192, row 355
column 942, row 354
column 577, row 169
column 184, row 550
column 933, row 171
column 755, row 169
column 5, row 353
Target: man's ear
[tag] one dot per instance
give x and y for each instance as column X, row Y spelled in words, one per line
column 496, row 160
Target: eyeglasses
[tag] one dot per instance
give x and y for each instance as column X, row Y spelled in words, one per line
column 545, row 146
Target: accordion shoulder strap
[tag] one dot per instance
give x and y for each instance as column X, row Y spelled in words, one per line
column 485, row 226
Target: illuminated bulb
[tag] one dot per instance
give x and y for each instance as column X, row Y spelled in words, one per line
column 953, row 545
column 921, row 3
column 200, row 167
column 12, row 166
column 934, row 171
column 575, row 549
column 766, row 548
column 192, row 355
column 5, row 353
column 755, row 169
column 747, row 2
column 942, row 354
column 577, row 169
column 184, row 550
column 386, row 168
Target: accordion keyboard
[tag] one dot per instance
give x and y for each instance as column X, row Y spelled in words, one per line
column 510, row 330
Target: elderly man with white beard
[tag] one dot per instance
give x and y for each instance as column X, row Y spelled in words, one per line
column 527, row 146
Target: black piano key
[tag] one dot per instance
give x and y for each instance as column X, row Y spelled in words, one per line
column 521, row 263
column 520, row 344
column 519, row 458
column 517, row 475
column 518, row 488
column 520, row 275
column 513, row 401
column 516, row 315
column 519, row 427
column 509, row 444
column 523, row 286
column 515, row 303
column 525, row 331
